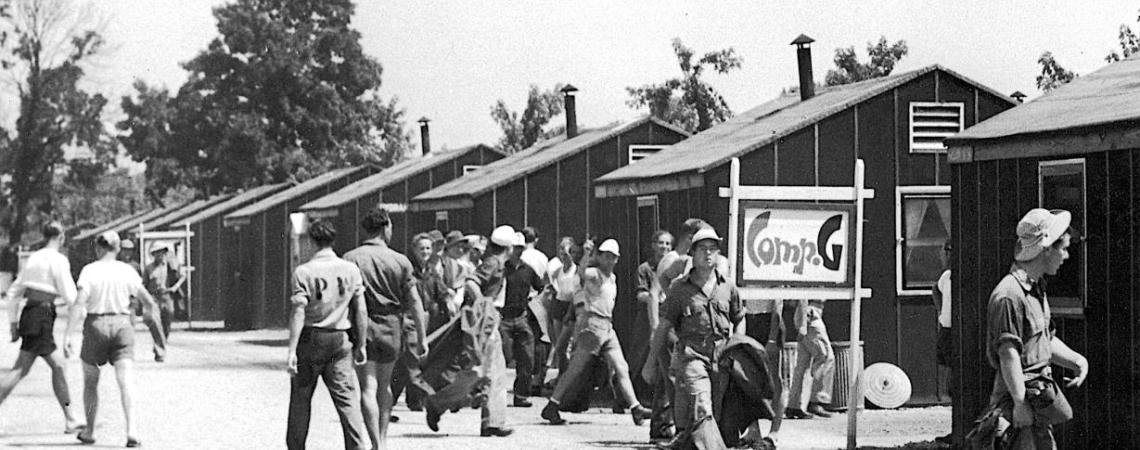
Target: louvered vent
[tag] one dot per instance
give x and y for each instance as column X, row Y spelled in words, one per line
column 930, row 123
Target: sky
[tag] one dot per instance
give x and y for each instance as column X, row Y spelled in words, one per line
column 452, row 60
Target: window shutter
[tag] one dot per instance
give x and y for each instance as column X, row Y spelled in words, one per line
column 931, row 123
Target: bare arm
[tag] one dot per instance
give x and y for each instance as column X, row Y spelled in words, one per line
column 296, row 323
column 1014, row 377
column 652, row 308
column 359, row 321
column 76, row 312
column 656, row 343
column 1070, row 359
column 416, row 307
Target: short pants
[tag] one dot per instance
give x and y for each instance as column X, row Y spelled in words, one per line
column 107, row 339
column 36, row 327
column 385, row 338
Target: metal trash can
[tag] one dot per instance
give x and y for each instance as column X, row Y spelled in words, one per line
column 841, row 385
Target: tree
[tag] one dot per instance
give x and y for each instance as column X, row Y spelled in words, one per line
column 116, row 194
column 285, row 93
column 883, row 57
column 1052, row 74
column 1129, row 44
column 688, row 101
column 522, row 131
column 44, row 51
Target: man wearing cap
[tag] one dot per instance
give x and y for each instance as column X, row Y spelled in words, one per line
column 46, row 277
column 106, row 287
column 703, row 308
column 390, row 294
column 163, row 281
column 128, row 255
column 456, row 268
column 596, row 336
column 522, row 279
column 327, row 305
column 1020, row 340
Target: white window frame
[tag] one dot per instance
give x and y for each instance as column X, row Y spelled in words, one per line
column 910, row 125
column 651, row 200
column 642, row 148
column 469, row 168
column 442, row 216
column 1062, row 308
column 900, row 240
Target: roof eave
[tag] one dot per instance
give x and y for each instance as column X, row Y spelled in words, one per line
column 637, row 186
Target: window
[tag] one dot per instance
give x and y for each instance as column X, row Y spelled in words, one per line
column 467, row 168
column 923, row 219
column 648, row 221
column 930, row 123
column 640, row 152
column 441, row 222
column 1062, row 186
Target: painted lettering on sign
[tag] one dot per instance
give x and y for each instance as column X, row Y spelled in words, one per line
column 790, row 244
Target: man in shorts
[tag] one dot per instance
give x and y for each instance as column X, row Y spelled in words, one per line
column 390, row 294
column 32, row 296
column 328, row 305
column 105, row 290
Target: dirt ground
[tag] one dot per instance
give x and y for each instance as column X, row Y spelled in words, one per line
column 230, row 390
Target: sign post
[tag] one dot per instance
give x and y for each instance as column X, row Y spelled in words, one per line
column 803, row 243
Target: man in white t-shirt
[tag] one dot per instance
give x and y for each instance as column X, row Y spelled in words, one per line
column 46, row 277
column 944, row 349
column 105, row 290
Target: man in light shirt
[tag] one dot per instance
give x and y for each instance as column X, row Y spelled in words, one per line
column 105, row 290
column 32, row 297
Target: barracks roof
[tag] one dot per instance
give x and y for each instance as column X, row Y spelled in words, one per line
column 130, row 223
column 299, row 190
column 161, row 222
column 232, row 203
column 1111, row 94
column 390, row 176
column 532, row 159
column 763, row 125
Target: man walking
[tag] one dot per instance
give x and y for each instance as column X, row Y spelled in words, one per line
column 163, row 281
column 516, row 317
column 813, row 350
column 157, row 334
column 596, row 336
column 703, row 308
column 105, row 290
column 944, row 349
column 32, row 296
column 1020, row 340
column 327, row 304
column 650, row 294
column 390, row 294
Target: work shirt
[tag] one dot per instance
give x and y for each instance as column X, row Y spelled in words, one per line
column 521, row 278
column 109, row 286
column 674, row 265
column 942, row 293
column 490, row 278
column 47, row 274
column 388, row 276
column 647, row 282
column 566, row 282
column 702, row 315
column 535, row 259
column 325, row 286
column 160, row 275
column 1018, row 313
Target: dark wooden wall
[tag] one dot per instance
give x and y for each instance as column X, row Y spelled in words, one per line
column 875, row 130
column 993, row 197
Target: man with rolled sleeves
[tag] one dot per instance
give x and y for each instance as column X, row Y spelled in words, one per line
column 1020, row 340
column 328, row 305
column 390, row 294
column 32, row 300
column 157, row 334
column 703, row 308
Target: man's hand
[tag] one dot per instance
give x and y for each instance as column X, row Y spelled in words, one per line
column 1022, row 414
column 588, row 247
column 649, row 372
column 1082, row 373
column 292, row 364
column 15, row 331
column 360, row 355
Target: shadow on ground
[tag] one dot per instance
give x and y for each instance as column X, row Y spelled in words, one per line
column 267, row 342
column 924, row 445
column 639, row 445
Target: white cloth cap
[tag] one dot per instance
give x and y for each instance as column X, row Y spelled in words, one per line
column 611, row 246
column 504, row 236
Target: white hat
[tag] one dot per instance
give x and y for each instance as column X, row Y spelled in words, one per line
column 611, row 246
column 1038, row 230
column 705, row 234
column 520, row 240
column 109, row 238
column 161, row 246
column 504, row 236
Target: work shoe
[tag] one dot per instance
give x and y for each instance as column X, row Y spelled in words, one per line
column 433, row 418
column 816, row 409
column 521, row 402
column 662, row 432
column 550, row 414
column 497, row 432
column 640, row 414
column 796, row 413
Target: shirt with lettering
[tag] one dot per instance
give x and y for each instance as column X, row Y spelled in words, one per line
column 325, row 287
column 388, row 276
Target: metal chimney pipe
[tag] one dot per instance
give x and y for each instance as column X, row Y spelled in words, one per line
column 803, row 57
column 425, row 139
column 570, row 111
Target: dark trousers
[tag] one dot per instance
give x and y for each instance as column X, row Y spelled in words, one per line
column 662, row 419
column 328, row 355
column 165, row 311
column 522, row 350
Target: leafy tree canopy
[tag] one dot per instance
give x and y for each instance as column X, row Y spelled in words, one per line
column 1052, row 74
column 883, row 57
column 688, row 101
column 1129, row 43
column 520, row 131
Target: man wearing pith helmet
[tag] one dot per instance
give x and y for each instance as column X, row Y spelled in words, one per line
column 704, row 309
column 1020, row 340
